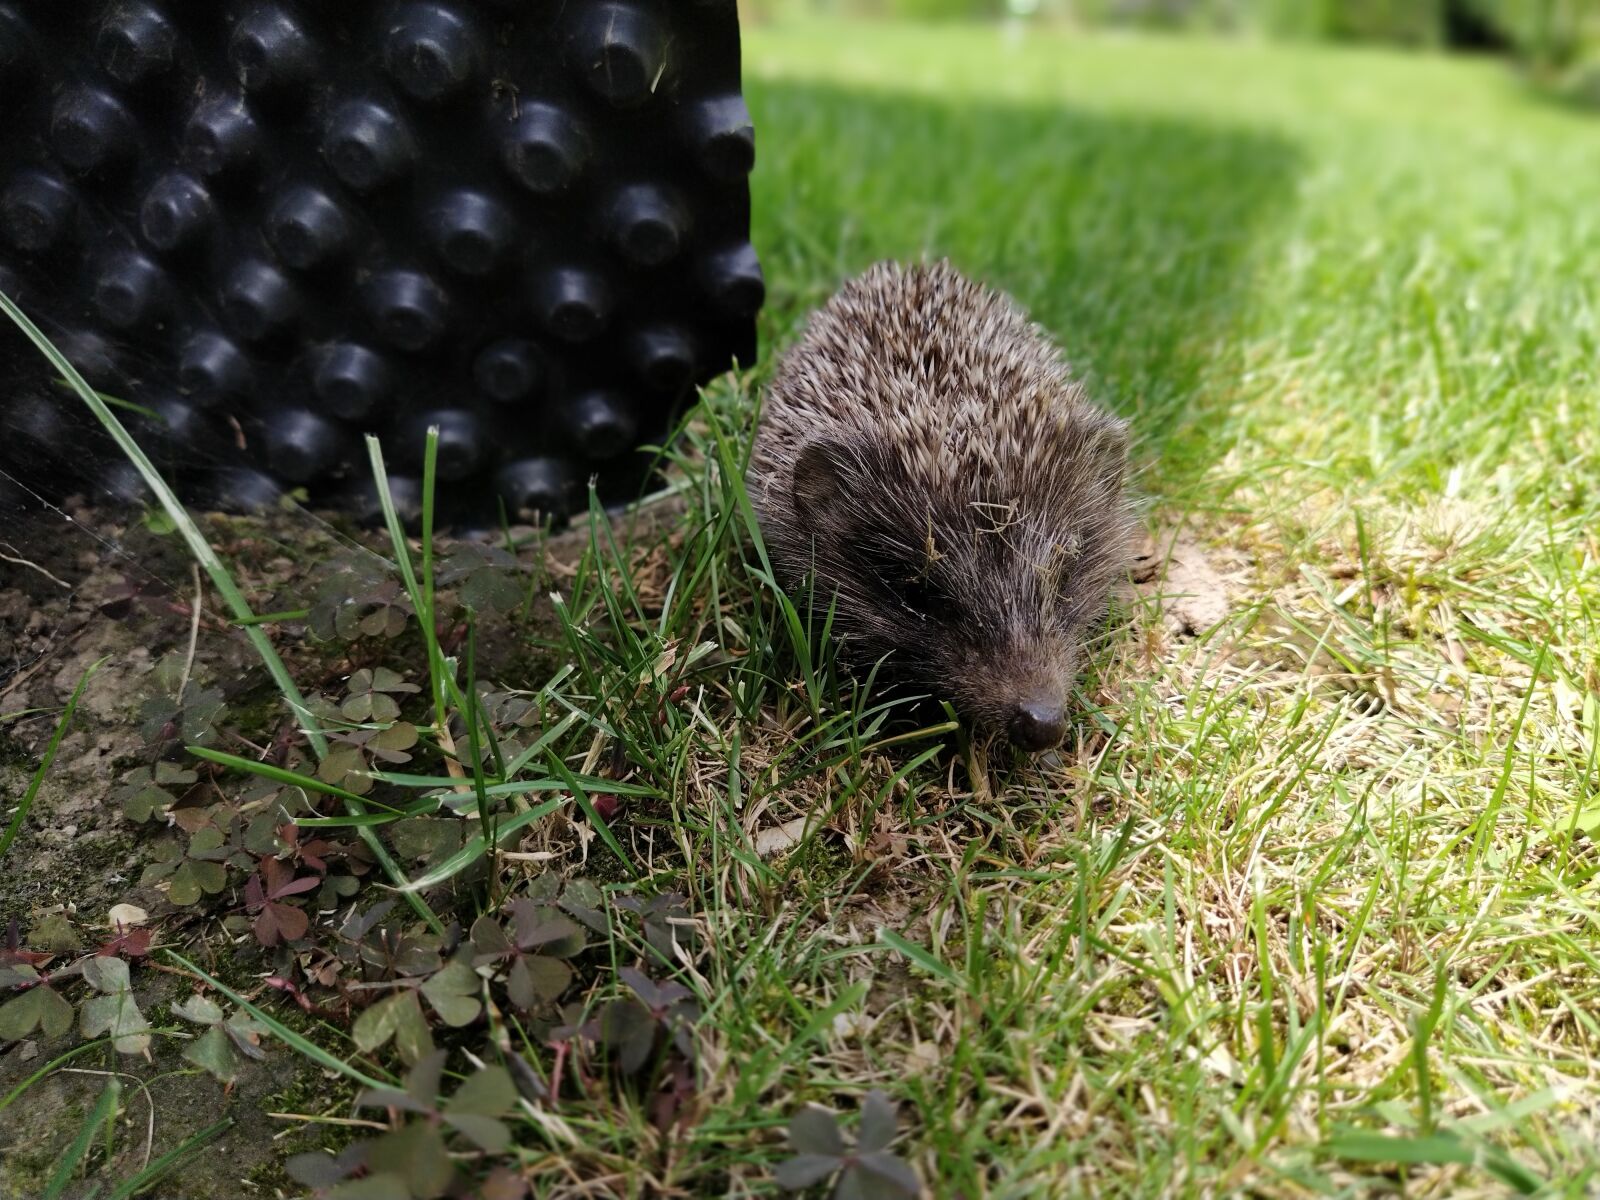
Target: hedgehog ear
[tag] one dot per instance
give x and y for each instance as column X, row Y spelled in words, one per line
column 819, row 482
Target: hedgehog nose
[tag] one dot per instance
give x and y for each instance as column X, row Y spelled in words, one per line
column 1037, row 725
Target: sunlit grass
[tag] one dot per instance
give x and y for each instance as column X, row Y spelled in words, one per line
column 1318, row 873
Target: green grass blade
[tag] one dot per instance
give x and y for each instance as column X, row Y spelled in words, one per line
column 922, row 958
column 104, row 1110
column 294, row 614
column 1433, row 1149
column 471, row 715
column 309, row 783
column 440, row 681
column 162, row 1166
column 356, row 806
column 545, row 739
column 518, row 787
column 37, row 781
column 430, row 471
column 114, row 401
column 363, row 820
column 581, row 795
column 10, row 1097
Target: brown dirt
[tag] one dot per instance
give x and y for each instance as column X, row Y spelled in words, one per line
column 1182, row 579
column 64, row 606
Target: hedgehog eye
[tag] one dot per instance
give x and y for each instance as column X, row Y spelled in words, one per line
column 1071, row 605
column 918, row 593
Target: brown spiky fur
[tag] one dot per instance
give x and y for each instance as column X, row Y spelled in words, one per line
column 925, row 454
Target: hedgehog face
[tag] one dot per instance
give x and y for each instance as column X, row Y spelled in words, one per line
column 978, row 601
column 981, row 625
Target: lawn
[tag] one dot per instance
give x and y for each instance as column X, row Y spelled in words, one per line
column 1318, row 872
column 1307, row 905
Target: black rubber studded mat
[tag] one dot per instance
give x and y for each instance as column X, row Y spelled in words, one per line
column 277, row 226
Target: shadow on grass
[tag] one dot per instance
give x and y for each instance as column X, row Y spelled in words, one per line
column 1130, row 237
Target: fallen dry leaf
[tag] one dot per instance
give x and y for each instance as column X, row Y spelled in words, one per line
column 126, row 916
column 779, row 838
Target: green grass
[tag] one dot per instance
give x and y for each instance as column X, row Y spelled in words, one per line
column 1313, row 875
column 1307, row 907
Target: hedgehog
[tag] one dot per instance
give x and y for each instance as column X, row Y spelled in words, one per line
column 927, row 463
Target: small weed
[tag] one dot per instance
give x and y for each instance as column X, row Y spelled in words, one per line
column 228, row 1037
column 866, row 1169
column 413, row 1161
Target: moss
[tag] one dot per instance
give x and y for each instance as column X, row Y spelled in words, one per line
column 259, row 713
column 312, row 1093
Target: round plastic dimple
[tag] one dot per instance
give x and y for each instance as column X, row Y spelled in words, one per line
column 243, row 489
column 724, row 137
column 509, row 371
column 36, row 211
column 301, row 445
column 537, row 488
column 408, row 310
column 351, row 381
column 271, row 53
column 91, row 354
column 259, row 301
column 431, row 51
column 176, row 428
column 619, row 50
column 544, row 148
column 136, row 44
column 130, row 292
column 460, row 441
column 221, row 137
column 648, row 224
column 91, row 131
column 366, row 145
column 307, row 228
column 176, row 213
column 39, row 425
column 573, row 304
column 662, row 356
column 120, row 482
column 16, row 54
column 405, row 492
column 732, row 279
column 213, row 371
column 602, row 424
column 471, row 232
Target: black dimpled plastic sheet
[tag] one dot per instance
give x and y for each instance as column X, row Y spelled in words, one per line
column 277, row 226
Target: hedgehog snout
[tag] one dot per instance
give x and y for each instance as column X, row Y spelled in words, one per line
column 1032, row 694
column 1010, row 694
column 1037, row 724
